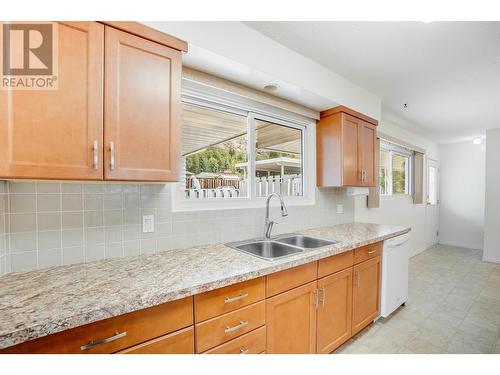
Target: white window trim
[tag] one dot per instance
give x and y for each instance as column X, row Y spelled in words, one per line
column 200, row 94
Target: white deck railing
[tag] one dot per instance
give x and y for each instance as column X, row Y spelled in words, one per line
column 287, row 186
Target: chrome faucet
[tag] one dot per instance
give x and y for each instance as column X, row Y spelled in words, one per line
column 268, row 224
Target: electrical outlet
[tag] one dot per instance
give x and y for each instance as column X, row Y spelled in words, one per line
column 148, row 223
column 340, row 208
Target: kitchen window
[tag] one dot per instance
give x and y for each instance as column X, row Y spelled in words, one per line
column 395, row 169
column 234, row 157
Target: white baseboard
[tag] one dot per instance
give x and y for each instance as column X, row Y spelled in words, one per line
column 460, row 245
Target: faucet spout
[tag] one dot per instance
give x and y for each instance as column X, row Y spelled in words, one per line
column 268, row 224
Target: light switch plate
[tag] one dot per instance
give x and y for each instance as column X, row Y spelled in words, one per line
column 340, row 208
column 148, row 223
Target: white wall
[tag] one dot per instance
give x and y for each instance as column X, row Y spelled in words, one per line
column 400, row 210
column 462, row 177
column 219, row 47
column 492, row 197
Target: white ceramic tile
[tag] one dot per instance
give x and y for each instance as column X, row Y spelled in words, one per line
column 49, row 258
column 23, row 261
column 94, row 252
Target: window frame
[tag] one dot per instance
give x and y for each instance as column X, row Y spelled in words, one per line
column 209, row 97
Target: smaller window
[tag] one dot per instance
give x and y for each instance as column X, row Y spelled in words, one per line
column 395, row 169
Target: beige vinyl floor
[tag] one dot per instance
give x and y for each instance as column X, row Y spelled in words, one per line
column 453, row 307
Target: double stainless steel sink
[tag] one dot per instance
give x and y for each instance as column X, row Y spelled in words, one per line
column 281, row 246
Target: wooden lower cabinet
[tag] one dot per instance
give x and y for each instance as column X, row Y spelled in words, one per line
column 288, row 312
column 224, row 328
column 334, row 311
column 223, row 300
column 180, row 342
column 366, row 293
column 113, row 334
column 291, row 321
column 250, row 343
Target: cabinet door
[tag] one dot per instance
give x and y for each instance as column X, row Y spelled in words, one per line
column 180, row 342
column 365, row 294
column 367, row 138
column 51, row 134
column 142, row 109
column 334, row 311
column 291, row 321
column 350, row 153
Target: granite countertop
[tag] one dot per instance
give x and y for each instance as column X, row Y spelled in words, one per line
column 38, row 303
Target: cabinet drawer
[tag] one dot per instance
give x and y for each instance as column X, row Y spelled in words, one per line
column 336, row 263
column 120, row 332
column 219, row 330
column 285, row 280
column 250, row 343
column 179, row 342
column 367, row 252
column 229, row 298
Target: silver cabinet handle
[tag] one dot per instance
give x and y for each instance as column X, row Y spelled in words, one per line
column 399, row 244
column 244, row 351
column 316, row 301
column 112, row 155
column 242, row 324
column 95, row 158
column 356, row 279
column 237, row 298
column 372, row 251
column 91, row 344
column 322, row 297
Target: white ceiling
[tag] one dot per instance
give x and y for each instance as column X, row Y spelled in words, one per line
column 447, row 72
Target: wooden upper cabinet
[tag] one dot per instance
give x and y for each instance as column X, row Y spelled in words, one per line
column 334, row 311
column 50, row 134
column 367, row 138
column 345, row 146
column 142, row 109
column 366, row 293
column 291, row 321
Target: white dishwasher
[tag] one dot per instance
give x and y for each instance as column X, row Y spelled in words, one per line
column 394, row 274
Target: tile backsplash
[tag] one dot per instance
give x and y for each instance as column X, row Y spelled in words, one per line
column 44, row 224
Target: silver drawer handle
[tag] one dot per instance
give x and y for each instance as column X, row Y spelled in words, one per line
column 322, row 298
column 237, row 327
column 91, row 344
column 237, row 298
column 244, row 351
column 371, row 252
column 95, row 159
column 112, row 155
